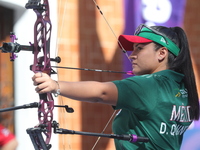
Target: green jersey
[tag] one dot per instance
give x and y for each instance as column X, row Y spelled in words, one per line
column 153, row 106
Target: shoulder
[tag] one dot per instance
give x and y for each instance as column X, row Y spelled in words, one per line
column 138, row 84
column 142, row 79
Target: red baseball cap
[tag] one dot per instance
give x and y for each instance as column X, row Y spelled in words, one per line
column 126, row 41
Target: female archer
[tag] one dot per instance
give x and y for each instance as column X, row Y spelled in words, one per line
column 159, row 102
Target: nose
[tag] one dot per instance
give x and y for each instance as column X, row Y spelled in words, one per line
column 132, row 55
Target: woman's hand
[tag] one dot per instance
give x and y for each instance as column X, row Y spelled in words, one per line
column 44, row 83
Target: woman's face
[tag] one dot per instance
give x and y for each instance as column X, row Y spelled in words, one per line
column 145, row 59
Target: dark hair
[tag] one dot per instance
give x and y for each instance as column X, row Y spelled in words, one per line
column 182, row 64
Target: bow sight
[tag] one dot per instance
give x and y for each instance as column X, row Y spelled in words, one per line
column 14, row 47
column 11, row 47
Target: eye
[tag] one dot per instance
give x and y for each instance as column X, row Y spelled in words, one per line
column 139, row 48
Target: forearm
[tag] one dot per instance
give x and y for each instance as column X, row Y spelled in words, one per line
column 90, row 91
column 83, row 91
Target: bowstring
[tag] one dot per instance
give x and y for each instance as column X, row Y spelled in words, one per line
column 126, row 54
column 111, row 29
column 58, row 40
column 112, row 116
column 60, row 98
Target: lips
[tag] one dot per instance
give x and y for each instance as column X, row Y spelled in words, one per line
column 134, row 64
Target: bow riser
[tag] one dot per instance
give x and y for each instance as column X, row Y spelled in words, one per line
column 42, row 35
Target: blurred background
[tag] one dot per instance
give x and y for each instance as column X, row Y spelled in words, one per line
column 83, row 39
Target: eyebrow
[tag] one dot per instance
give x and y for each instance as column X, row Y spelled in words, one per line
column 143, row 44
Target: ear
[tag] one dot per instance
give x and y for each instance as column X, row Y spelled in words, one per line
column 162, row 53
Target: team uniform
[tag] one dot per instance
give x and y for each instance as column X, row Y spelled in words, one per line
column 5, row 136
column 154, row 106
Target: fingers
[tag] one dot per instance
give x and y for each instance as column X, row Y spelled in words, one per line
column 39, row 75
column 39, row 78
column 43, row 83
column 43, row 88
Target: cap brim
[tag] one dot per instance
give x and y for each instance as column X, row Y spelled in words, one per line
column 128, row 40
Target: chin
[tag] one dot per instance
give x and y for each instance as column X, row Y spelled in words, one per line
column 138, row 73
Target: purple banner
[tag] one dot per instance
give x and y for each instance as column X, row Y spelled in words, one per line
column 168, row 13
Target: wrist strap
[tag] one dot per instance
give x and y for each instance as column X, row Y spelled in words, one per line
column 58, row 90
